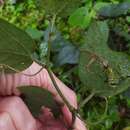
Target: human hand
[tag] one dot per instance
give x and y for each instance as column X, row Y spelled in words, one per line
column 1, row 1
column 14, row 114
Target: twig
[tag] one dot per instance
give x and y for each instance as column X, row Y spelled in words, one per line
column 18, row 71
column 103, row 116
column 71, row 108
column 86, row 100
column 49, row 40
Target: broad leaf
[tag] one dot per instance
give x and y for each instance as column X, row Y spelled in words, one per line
column 36, row 97
column 115, row 10
column 100, row 69
column 80, row 18
column 59, row 7
column 16, row 47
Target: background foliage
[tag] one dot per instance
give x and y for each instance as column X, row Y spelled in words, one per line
column 89, row 56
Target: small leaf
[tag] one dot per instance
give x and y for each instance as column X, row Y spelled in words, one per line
column 80, row 18
column 16, row 47
column 60, row 7
column 68, row 54
column 36, row 97
column 128, row 19
column 115, row 10
column 34, row 33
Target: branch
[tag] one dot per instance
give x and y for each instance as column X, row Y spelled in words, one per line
column 86, row 100
column 71, row 108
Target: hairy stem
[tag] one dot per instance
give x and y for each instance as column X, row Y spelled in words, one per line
column 59, row 91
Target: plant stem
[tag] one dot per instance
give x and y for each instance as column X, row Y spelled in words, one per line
column 18, row 71
column 103, row 116
column 53, row 22
column 48, row 66
column 70, row 107
column 59, row 91
column 86, row 100
column 49, row 40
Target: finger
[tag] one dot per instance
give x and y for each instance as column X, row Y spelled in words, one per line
column 6, row 122
column 67, row 115
column 49, row 122
column 18, row 112
column 41, row 79
column 9, row 82
column 79, row 125
column 1, row 1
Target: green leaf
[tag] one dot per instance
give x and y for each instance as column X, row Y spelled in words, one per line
column 34, row 33
column 68, row 54
column 64, row 52
column 128, row 19
column 80, row 18
column 59, row 7
column 115, row 10
column 99, row 5
column 36, row 97
column 101, row 69
column 16, row 47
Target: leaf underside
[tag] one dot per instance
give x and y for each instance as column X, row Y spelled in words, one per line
column 36, row 97
column 16, row 47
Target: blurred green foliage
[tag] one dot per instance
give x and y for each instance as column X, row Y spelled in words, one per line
column 100, row 113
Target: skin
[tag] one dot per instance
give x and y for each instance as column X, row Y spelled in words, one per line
column 1, row 1
column 14, row 114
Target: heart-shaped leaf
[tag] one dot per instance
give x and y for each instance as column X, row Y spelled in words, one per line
column 36, row 97
column 59, row 7
column 16, row 47
column 101, row 69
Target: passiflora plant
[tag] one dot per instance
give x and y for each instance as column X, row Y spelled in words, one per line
column 104, row 71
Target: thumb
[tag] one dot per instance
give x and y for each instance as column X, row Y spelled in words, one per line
column 9, row 82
